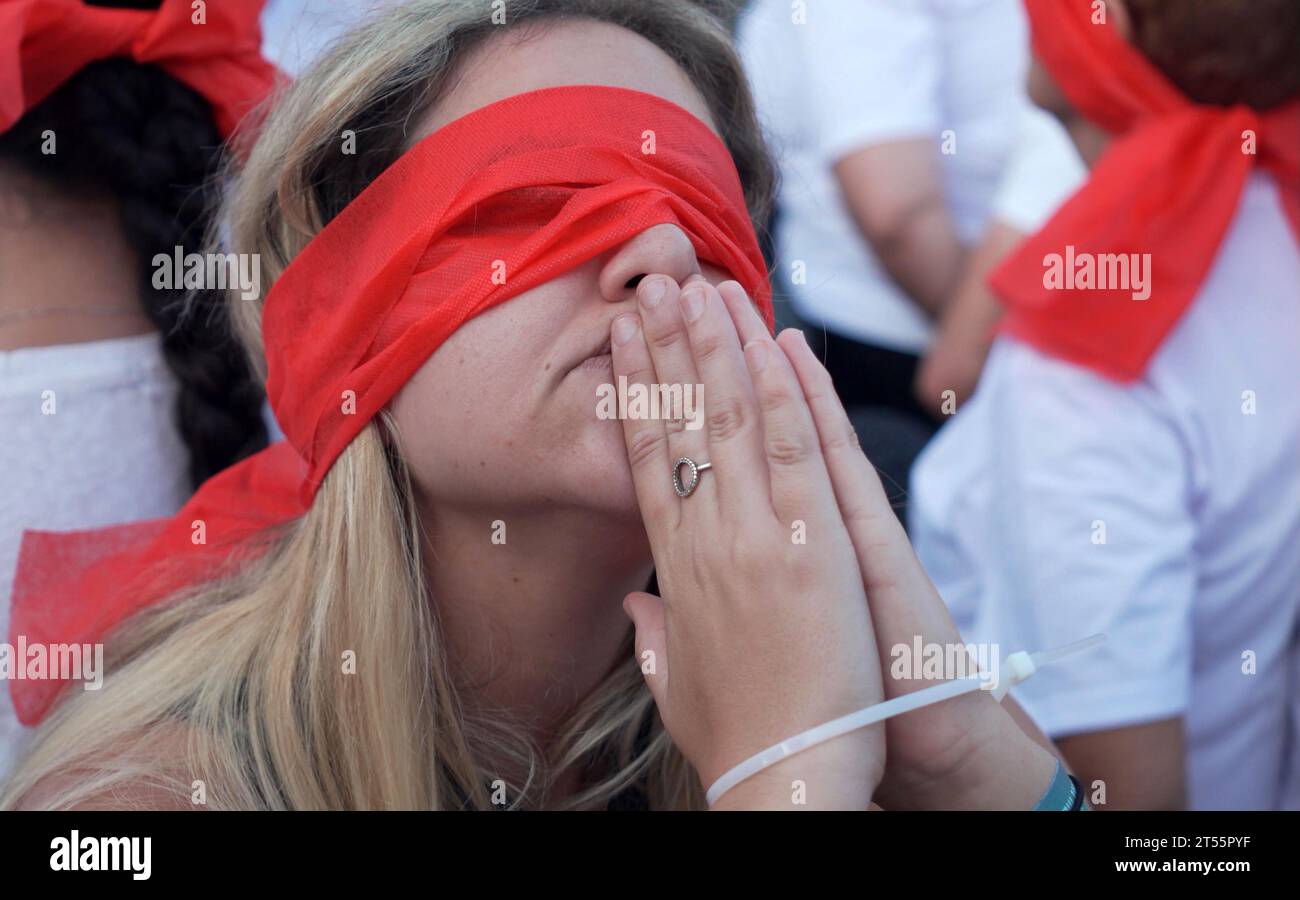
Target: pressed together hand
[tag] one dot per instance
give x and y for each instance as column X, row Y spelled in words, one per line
column 786, row 576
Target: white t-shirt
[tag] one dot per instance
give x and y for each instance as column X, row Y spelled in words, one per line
column 89, row 440
column 1191, row 477
column 864, row 72
column 1045, row 169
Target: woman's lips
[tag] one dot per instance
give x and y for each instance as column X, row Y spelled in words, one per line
column 601, row 360
column 602, row 363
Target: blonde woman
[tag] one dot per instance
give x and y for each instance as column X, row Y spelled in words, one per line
column 443, row 626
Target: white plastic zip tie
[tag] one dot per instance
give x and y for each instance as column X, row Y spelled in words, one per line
column 1017, row 668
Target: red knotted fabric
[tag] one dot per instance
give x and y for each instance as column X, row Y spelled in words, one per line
column 1168, row 185
column 43, row 43
column 499, row 201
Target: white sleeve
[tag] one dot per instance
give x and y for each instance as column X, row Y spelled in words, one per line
column 1093, row 532
column 872, row 72
column 1045, row 170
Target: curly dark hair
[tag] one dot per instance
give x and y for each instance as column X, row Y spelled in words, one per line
column 1223, row 52
column 137, row 134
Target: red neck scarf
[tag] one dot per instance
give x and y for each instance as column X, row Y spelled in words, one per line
column 1168, row 185
column 524, row 189
column 44, row 43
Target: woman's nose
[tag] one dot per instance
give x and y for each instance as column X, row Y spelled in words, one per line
column 664, row 249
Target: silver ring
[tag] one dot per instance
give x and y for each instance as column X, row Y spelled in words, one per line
column 685, row 490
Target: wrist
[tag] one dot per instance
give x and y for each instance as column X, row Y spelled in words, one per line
column 1001, row 769
column 1012, row 772
column 840, row 774
column 1064, row 794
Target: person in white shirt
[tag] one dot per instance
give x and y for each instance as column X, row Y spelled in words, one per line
column 892, row 122
column 115, row 402
column 90, row 440
column 1162, row 512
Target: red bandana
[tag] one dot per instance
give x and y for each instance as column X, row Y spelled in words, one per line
column 1168, row 185
column 43, row 43
column 491, row 205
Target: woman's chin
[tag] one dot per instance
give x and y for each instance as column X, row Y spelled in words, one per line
column 605, row 481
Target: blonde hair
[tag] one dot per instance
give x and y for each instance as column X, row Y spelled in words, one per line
column 243, row 678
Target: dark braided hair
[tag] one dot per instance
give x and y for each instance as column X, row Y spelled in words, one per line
column 137, row 134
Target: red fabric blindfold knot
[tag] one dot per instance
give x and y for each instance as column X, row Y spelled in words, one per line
column 497, row 202
column 1165, row 190
column 215, row 50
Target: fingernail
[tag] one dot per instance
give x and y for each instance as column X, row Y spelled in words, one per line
column 756, row 356
column 732, row 285
column 653, row 293
column 624, row 329
column 693, row 304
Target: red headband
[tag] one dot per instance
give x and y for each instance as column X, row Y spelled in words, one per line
column 43, row 43
column 1168, row 185
column 529, row 188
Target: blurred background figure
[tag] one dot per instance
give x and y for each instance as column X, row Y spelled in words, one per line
column 116, row 399
column 294, row 32
column 1130, row 464
column 894, row 122
column 1045, row 169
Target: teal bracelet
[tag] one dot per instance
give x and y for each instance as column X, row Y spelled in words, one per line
column 1063, row 795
